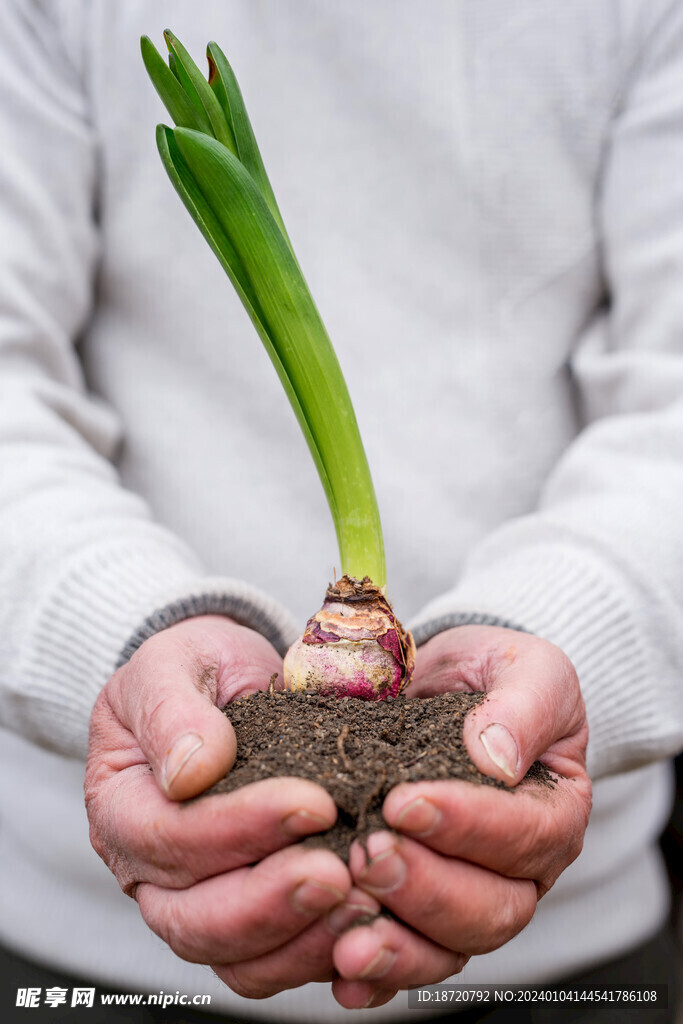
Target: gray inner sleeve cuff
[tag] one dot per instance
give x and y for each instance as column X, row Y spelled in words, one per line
column 248, row 613
column 426, row 630
column 242, row 610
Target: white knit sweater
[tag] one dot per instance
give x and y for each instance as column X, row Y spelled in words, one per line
column 487, row 199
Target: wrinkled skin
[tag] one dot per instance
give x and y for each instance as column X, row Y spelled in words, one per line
column 463, row 876
column 471, row 862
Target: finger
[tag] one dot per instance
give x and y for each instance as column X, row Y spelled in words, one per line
column 531, row 832
column 458, row 905
column 533, row 709
column 305, row 958
column 359, row 907
column 360, row 995
column 533, row 706
column 387, row 955
column 245, row 913
column 144, row 837
column 166, row 696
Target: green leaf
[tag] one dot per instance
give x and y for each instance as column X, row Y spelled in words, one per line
column 203, row 216
column 173, row 65
column 199, row 91
column 224, row 84
column 297, row 336
column 214, row 163
column 172, row 94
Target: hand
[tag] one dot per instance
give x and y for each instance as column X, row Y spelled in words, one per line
column 472, row 861
column 214, row 878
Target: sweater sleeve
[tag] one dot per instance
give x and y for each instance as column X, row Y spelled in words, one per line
column 597, row 568
column 84, row 568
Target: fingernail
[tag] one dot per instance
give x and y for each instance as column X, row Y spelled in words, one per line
column 380, row 964
column 342, row 917
column 386, row 869
column 501, row 748
column 302, row 823
column 382, row 995
column 314, row 897
column 180, row 753
column 420, row 817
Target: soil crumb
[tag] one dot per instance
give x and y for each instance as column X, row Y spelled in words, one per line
column 355, row 749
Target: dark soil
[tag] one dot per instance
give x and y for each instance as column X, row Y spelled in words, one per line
column 357, row 750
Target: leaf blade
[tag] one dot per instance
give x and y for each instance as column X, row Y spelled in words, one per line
column 201, row 213
column 224, row 84
column 171, row 92
column 200, row 92
column 297, row 334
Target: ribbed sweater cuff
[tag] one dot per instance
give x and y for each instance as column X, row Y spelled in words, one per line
column 106, row 606
column 605, row 625
column 219, row 596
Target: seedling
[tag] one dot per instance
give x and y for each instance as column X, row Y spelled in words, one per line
column 354, row 645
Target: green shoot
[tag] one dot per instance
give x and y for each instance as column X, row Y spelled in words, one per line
column 214, row 163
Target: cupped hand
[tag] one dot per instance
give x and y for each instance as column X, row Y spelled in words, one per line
column 469, row 864
column 216, row 878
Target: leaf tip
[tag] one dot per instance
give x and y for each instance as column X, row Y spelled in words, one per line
column 213, row 70
column 150, row 56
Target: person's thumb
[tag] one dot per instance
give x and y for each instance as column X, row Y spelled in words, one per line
column 533, row 702
column 166, row 697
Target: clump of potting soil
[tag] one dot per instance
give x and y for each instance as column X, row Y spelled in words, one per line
column 354, row 749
